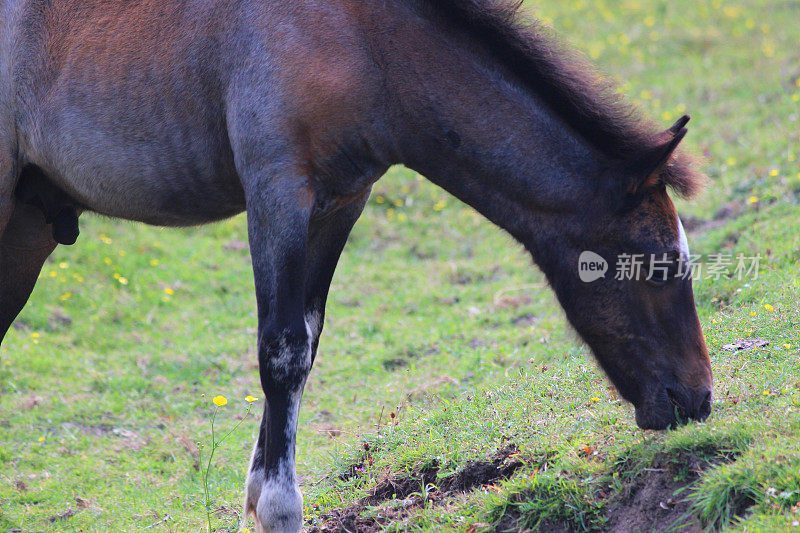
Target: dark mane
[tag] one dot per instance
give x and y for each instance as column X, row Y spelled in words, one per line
column 565, row 82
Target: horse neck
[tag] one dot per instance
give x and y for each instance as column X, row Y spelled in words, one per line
column 468, row 126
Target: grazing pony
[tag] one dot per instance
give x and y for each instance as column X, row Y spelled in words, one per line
column 181, row 112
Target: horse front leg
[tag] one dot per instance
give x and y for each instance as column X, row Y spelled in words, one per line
column 278, row 228
column 272, row 492
column 25, row 243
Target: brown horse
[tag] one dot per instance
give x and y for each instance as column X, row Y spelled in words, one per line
column 180, row 112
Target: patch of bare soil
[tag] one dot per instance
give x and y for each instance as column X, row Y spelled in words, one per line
column 653, row 505
column 656, row 500
column 398, row 496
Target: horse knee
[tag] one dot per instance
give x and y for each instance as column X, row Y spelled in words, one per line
column 285, row 356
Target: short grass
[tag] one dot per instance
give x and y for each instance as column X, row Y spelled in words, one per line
column 443, row 343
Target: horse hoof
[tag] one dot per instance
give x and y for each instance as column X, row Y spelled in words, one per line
column 280, row 510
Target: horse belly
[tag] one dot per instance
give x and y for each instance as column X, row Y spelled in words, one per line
column 157, row 180
column 183, row 192
column 160, row 165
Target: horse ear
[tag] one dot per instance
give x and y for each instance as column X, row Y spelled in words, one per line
column 680, row 124
column 648, row 166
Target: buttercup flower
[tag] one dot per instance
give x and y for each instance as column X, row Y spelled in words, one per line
column 251, row 399
column 220, row 401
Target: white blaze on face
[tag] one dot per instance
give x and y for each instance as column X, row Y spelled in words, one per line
column 683, row 243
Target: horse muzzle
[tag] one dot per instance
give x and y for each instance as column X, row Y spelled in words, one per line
column 674, row 406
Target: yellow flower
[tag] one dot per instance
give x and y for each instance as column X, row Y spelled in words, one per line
column 40, row 439
column 63, row 265
column 787, row 346
column 753, row 313
column 769, row 308
column 154, row 262
column 66, row 296
column 773, row 172
column 220, row 401
column 35, row 335
column 595, row 399
column 441, row 204
column 169, row 291
column 731, row 11
column 122, row 280
column 765, row 393
column 250, row 399
column 245, row 530
column 753, row 199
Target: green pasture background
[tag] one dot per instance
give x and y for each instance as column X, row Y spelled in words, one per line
column 443, row 342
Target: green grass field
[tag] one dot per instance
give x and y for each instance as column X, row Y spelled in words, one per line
column 449, row 393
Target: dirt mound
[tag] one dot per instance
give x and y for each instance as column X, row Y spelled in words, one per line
column 656, row 500
column 418, row 488
column 653, row 505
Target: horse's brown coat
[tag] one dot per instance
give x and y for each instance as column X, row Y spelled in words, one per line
column 176, row 112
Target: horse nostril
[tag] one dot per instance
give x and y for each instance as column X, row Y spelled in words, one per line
column 704, row 409
column 695, row 405
column 678, row 404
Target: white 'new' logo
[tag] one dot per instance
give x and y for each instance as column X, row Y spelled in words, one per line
column 591, row 267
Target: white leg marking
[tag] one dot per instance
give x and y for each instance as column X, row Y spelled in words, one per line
column 313, row 325
column 277, row 501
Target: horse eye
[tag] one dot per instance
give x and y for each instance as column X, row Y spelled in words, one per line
column 662, row 271
column 658, row 280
